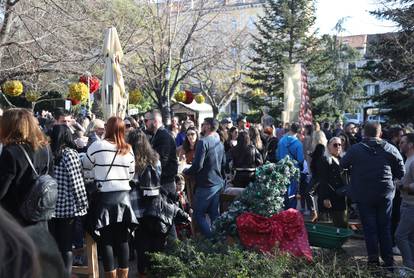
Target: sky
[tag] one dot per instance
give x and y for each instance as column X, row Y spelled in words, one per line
column 358, row 20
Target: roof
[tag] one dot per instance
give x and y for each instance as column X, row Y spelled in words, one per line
column 357, row 41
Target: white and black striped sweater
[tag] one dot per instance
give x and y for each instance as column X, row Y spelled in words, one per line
column 97, row 161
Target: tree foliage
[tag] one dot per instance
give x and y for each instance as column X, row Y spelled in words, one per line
column 392, row 59
column 220, row 79
column 178, row 42
column 284, row 36
column 48, row 44
column 335, row 80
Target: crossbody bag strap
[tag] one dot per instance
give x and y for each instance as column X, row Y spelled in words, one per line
column 48, row 160
column 112, row 163
column 28, row 159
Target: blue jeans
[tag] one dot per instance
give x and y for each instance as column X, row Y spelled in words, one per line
column 376, row 222
column 207, row 201
column 290, row 196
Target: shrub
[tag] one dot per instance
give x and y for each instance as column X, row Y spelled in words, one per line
column 202, row 259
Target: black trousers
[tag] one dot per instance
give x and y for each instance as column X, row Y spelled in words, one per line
column 114, row 240
column 62, row 230
column 147, row 241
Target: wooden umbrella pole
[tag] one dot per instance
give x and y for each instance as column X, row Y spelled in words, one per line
column 89, row 91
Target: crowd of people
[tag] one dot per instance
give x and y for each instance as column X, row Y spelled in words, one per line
column 134, row 184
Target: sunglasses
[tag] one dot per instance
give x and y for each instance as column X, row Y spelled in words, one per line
column 336, row 145
column 191, row 134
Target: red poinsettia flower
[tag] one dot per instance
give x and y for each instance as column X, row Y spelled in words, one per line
column 93, row 83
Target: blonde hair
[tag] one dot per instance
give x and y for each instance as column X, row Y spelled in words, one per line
column 318, row 137
column 93, row 125
column 19, row 126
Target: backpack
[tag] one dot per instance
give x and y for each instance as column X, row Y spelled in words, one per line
column 149, row 182
column 40, row 202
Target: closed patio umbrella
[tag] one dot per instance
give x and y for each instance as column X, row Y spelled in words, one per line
column 114, row 97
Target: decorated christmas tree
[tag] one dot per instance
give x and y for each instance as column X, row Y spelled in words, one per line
column 264, row 196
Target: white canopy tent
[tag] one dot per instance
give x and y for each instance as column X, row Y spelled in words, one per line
column 195, row 111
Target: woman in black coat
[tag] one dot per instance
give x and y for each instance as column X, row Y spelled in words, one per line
column 19, row 128
column 330, row 180
column 245, row 158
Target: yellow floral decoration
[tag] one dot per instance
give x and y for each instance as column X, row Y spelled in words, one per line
column 32, row 96
column 135, row 96
column 78, row 91
column 13, row 88
column 200, row 99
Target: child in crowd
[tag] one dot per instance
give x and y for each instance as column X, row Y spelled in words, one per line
column 183, row 229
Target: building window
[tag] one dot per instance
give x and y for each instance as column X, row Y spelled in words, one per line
column 250, row 23
column 372, row 89
column 377, row 89
column 234, row 24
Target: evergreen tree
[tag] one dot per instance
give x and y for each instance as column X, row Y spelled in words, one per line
column 393, row 59
column 335, row 81
column 284, row 37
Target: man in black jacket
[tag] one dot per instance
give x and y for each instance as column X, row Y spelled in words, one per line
column 164, row 144
column 374, row 164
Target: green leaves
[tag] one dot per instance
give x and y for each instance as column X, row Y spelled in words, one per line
column 204, row 259
column 392, row 61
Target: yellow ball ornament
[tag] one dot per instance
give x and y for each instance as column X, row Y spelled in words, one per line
column 13, row 88
column 135, row 96
column 79, row 92
column 200, row 99
column 180, row 96
column 32, row 96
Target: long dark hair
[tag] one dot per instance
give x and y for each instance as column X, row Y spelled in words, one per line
column 231, row 130
column 144, row 154
column 186, row 143
column 243, row 143
column 60, row 138
column 242, row 152
column 316, row 156
column 115, row 132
